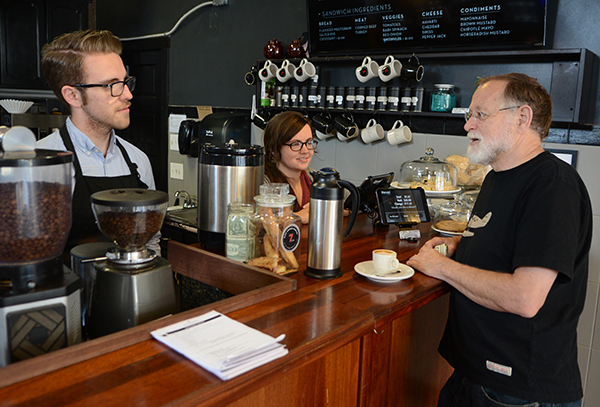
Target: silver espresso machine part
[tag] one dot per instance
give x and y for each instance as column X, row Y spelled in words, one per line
column 132, row 285
column 124, row 298
column 82, row 263
column 226, row 173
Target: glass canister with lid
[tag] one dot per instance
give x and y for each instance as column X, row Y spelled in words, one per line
column 444, row 98
column 451, row 218
column 277, row 230
column 429, row 173
column 35, row 216
column 240, row 234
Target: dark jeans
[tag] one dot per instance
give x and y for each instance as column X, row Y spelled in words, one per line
column 461, row 392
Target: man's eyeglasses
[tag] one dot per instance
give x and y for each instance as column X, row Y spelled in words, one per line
column 297, row 145
column 481, row 116
column 116, row 88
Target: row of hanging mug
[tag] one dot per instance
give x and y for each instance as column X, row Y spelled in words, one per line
column 345, row 128
column 391, row 68
column 287, row 71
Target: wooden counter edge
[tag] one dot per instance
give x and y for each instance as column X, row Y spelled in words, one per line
column 231, row 390
column 81, row 352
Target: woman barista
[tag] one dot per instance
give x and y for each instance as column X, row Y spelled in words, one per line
column 289, row 148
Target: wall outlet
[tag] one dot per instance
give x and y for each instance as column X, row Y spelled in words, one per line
column 174, row 142
column 177, row 171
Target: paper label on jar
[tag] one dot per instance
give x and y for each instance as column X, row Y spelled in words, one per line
column 290, row 238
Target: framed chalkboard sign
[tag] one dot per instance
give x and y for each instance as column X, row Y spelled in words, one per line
column 341, row 27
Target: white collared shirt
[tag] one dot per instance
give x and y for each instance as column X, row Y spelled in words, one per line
column 92, row 161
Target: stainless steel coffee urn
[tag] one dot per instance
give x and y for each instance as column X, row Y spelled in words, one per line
column 39, row 297
column 326, row 223
column 227, row 173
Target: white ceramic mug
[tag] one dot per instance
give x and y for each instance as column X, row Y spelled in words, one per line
column 268, row 71
column 399, row 133
column 372, row 132
column 305, row 70
column 391, row 68
column 385, row 260
column 368, row 70
column 324, row 136
column 286, row 71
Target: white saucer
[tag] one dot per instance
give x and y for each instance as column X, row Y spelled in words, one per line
column 367, row 270
column 446, row 233
column 436, row 193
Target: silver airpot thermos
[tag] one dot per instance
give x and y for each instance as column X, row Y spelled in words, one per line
column 326, row 223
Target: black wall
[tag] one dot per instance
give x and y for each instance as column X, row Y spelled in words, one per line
column 213, row 49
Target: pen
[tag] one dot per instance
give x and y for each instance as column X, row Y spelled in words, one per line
column 190, row 326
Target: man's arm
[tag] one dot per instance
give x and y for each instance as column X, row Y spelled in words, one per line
column 523, row 292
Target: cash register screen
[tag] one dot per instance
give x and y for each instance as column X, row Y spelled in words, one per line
column 402, row 206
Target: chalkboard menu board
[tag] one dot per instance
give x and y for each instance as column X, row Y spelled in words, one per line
column 379, row 26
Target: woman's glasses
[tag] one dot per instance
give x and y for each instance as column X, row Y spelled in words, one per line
column 297, row 145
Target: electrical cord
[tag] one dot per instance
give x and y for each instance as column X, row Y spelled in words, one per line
column 178, row 23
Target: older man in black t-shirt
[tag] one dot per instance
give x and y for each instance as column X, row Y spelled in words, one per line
column 520, row 270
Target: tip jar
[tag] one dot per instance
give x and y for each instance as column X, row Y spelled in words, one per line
column 240, row 232
column 277, row 230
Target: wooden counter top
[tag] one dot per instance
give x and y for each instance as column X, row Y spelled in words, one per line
column 333, row 329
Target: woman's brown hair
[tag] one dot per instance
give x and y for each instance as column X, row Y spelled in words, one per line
column 279, row 131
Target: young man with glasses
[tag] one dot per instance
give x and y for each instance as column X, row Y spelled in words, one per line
column 520, row 269
column 85, row 71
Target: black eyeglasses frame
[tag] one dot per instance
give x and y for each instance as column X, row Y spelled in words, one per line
column 129, row 81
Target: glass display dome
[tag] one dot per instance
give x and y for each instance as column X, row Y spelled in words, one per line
column 429, row 173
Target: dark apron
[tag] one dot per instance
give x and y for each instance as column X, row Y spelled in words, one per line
column 83, row 224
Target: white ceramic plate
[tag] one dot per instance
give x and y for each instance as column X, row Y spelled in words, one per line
column 367, row 270
column 446, row 232
column 405, row 185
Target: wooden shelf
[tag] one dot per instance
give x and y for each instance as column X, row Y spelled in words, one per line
column 570, row 76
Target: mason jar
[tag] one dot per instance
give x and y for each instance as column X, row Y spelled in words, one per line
column 443, row 99
column 239, row 235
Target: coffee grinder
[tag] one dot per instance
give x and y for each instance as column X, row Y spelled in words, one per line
column 39, row 297
column 132, row 285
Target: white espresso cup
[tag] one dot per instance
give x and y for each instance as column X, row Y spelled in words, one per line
column 372, row 132
column 368, row 70
column 391, row 68
column 399, row 133
column 268, row 71
column 305, row 70
column 286, row 71
column 385, row 260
